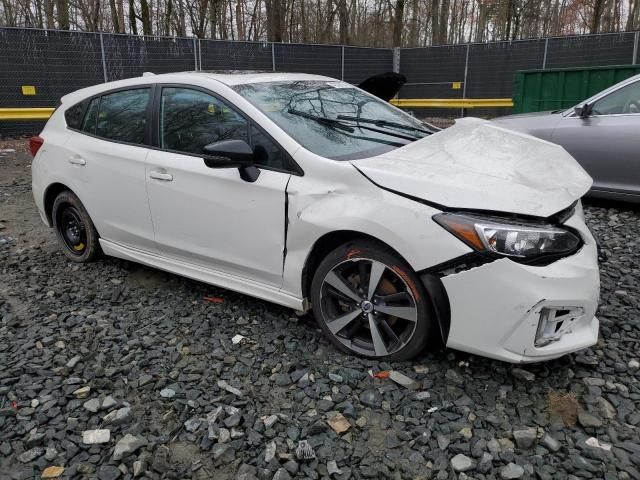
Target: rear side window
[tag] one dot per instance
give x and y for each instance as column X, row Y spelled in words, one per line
column 122, row 116
column 73, row 115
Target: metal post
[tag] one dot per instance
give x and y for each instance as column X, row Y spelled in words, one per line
column 396, row 59
column 199, row 54
column 464, row 82
column 104, row 60
column 273, row 56
column 544, row 58
column 195, row 52
column 342, row 65
column 636, row 39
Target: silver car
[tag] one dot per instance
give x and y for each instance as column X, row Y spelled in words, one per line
column 601, row 133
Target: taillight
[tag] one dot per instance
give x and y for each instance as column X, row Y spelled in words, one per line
column 34, row 144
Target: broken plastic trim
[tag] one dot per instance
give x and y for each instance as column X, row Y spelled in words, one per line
column 459, row 264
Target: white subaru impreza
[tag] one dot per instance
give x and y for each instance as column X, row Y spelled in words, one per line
column 308, row 192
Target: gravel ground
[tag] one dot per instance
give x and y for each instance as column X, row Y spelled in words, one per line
column 111, row 370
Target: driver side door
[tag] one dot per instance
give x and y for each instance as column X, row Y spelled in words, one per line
column 606, row 143
column 211, row 217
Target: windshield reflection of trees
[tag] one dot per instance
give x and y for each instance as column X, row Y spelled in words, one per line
column 324, row 100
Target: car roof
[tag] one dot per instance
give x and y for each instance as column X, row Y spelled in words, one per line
column 227, row 77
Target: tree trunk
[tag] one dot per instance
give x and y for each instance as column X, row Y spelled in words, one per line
column 115, row 20
column 343, row 18
column 120, row 10
column 435, row 19
column 443, row 22
column 633, row 22
column 240, row 20
column 48, row 14
column 274, row 20
column 598, row 7
column 145, row 18
column 398, row 23
column 133, row 18
column 62, row 7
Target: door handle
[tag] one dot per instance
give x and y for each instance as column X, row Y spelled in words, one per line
column 77, row 160
column 165, row 177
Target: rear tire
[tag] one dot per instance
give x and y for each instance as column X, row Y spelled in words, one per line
column 74, row 229
column 391, row 320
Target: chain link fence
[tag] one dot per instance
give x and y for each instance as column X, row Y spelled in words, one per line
column 59, row 62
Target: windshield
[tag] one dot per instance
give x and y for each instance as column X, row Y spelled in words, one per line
column 333, row 118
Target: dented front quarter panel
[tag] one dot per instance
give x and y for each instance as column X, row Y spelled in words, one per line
column 333, row 196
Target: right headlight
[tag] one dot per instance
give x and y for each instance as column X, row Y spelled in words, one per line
column 521, row 241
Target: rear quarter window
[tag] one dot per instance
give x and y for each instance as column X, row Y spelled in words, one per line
column 73, row 115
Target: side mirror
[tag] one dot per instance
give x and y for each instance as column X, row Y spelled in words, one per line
column 228, row 154
column 583, row 110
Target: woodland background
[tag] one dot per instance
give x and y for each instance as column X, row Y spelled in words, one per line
column 379, row 23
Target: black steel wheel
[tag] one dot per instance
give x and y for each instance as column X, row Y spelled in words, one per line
column 74, row 228
column 369, row 302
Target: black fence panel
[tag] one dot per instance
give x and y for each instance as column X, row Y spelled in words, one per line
column 223, row 55
column 433, row 72
column 492, row 66
column 316, row 59
column 590, row 50
column 361, row 63
column 54, row 62
column 129, row 56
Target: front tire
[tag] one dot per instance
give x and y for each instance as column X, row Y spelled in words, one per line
column 370, row 303
column 74, row 229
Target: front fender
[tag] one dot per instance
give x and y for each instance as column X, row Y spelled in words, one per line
column 315, row 210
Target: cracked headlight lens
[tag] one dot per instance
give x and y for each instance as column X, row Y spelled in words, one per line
column 524, row 241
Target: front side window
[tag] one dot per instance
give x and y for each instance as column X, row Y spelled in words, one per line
column 624, row 100
column 191, row 119
column 122, row 116
column 334, row 119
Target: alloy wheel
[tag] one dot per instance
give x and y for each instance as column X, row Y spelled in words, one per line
column 368, row 307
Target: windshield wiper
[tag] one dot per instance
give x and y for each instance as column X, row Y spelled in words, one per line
column 384, row 123
column 337, row 124
column 331, row 122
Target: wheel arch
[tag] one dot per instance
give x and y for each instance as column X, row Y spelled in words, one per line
column 432, row 286
column 50, row 195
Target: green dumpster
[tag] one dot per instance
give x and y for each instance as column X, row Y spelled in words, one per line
column 561, row 88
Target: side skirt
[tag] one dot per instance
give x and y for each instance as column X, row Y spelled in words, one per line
column 206, row 275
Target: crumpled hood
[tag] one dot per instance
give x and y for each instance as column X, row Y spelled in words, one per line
column 478, row 165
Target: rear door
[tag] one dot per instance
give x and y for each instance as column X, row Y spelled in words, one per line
column 108, row 152
column 607, row 143
column 211, row 217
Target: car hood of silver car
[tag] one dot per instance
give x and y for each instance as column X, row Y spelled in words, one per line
column 476, row 164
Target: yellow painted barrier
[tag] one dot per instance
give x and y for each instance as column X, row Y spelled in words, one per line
column 452, row 102
column 25, row 113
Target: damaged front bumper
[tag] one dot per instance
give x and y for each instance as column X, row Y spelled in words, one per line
column 521, row 313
